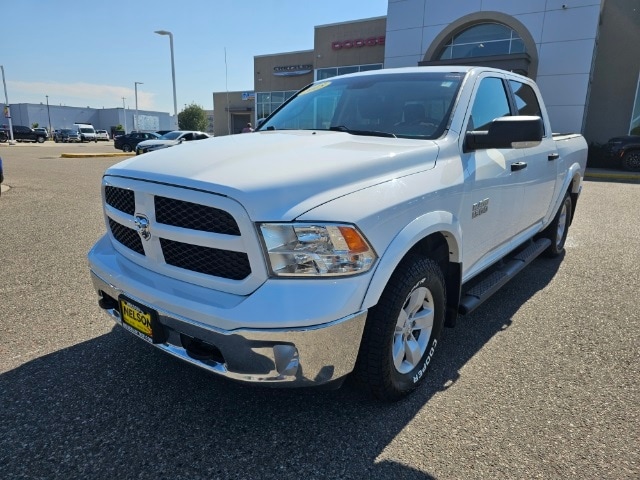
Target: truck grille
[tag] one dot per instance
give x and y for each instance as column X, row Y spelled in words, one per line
column 207, row 260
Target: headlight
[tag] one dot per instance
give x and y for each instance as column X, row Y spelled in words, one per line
column 313, row 250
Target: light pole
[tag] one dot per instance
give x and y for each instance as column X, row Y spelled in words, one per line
column 49, row 115
column 173, row 72
column 6, row 104
column 124, row 110
column 135, row 85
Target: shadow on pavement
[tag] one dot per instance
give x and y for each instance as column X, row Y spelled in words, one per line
column 113, row 407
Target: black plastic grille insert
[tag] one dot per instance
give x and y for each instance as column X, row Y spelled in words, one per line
column 120, row 199
column 207, row 260
column 126, row 236
column 194, row 216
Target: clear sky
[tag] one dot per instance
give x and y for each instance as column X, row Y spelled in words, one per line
column 90, row 53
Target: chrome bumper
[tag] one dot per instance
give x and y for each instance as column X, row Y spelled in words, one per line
column 292, row 357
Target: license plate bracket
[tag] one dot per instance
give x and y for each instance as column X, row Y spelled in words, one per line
column 141, row 320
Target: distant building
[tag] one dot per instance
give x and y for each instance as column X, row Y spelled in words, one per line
column 101, row 118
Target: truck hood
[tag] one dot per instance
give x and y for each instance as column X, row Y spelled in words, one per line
column 279, row 175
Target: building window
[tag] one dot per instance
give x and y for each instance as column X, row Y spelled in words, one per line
column 267, row 102
column 483, row 40
column 323, row 73
column 634, row 128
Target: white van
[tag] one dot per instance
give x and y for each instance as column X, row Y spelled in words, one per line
column 87, row 132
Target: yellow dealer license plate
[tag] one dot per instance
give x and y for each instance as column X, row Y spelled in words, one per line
column 138, row 319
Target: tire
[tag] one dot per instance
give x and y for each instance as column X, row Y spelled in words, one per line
column 631, row 161
column 402, row 330
column 3, row 138
column 559, row 228
column 126, row 147
column 40, row 140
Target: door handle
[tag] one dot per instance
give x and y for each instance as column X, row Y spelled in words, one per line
column 553, row 156
column 518, row 166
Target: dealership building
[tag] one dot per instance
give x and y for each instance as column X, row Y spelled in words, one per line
column 582, row 53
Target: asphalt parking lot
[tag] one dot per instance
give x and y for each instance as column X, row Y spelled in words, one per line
column 539, row 382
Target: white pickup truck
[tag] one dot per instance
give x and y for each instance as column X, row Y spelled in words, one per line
column 362, row 217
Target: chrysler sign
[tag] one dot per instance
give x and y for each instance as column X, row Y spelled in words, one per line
column 292, row 70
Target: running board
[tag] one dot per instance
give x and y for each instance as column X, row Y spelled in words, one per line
column 473, row 298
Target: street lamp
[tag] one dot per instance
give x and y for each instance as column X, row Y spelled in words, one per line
column 135, row 86
column 173, row 72
column 124, row 110
column 49, row 115
column 6, row 105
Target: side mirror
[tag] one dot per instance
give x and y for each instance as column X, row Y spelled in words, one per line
column 507, row 132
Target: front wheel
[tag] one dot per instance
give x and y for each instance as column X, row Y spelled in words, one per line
column 126, row 147
column 402, row 330
column 631, row 161
column 3, row 138
column 559, row 228
column 40, row 139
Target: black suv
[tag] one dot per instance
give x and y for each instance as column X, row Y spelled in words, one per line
column 625, row 150
column 22, row 133
column 128, row 142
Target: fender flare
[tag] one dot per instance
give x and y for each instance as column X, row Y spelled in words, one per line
column 574, row 176
column 433, row 222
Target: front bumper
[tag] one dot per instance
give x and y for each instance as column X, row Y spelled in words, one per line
column 287, row 357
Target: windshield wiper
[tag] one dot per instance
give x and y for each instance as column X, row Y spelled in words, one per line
column 370, row 133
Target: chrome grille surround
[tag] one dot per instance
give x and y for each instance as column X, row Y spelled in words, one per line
column 207, row 239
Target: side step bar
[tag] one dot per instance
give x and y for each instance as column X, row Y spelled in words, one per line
column 473, row 298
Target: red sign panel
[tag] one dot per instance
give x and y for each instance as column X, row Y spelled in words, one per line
column 358, row 43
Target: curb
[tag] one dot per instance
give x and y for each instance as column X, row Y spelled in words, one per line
column 94, row 155
column 629, row 176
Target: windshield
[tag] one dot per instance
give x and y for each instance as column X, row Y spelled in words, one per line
column 87, row 130
column 404, row 105
column 171, row 135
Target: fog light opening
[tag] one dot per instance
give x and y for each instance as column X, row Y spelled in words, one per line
column 200, row 350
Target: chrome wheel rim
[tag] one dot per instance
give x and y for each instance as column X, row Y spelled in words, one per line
column 413, row 330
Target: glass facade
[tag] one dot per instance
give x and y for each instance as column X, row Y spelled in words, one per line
column 323, row 73
column 483, row 40
column 634, row 128
column 267, row 102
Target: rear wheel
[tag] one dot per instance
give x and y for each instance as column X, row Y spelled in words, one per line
column 402, row 330
column 126, row 147
column 631, row 161
column 559, row 228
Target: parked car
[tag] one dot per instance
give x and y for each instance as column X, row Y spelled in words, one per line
column 44, row 131
column 128, row 142
column 102, row 135
column 169, row 140
column 625, row 150
column 22, row 134
column 67, row 135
